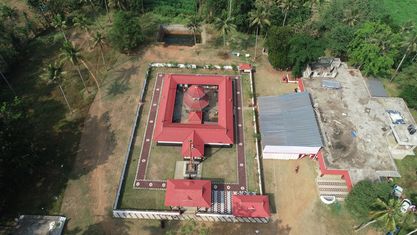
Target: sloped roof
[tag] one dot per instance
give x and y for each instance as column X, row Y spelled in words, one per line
column 195, row 91
column 245, row 67
column 194, row 103
column 188, row 193
column 195, row 117
column 250, row 206
column 288, row 120
column 220, row 133
column 197, row 146
column 376, row 88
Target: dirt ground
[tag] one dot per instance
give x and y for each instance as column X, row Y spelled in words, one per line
column 295, row 200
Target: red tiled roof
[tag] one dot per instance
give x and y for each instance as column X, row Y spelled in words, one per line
column 195, row 91
column 250, row 206
column 197, row 146
column 210, row 133
column 245, row 67
column 194, row 103
column 195, row 117
column 188, row 193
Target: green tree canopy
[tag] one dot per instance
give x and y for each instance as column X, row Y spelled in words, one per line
column 278, row 46
column 126, row 33
column 374, row 48
column 303, row 50
column 360, row 200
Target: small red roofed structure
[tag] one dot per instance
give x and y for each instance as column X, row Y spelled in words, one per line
column 250, row 206
column 195, row 117
column 196, row 92
column 247, row 68
column 188, row 193
column 194, row 104
column 197, row 146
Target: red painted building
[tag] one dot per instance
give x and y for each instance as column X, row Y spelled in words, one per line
column 200, row 133
column 254, row 206
column 188, row 193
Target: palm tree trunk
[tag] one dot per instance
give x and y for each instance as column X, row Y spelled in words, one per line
column 102, row 55
column 230, row 8
column 7, row 82
column 362, row 226
column 92, row 75
column 399, row 66
column 415, row 56
column 107, row 9
column 195, row 38
column 65, row 36
column 412, row 232
column 82, row 78
column 285, row 17
column 224, row 40
column 256, row 42
column 65, row 97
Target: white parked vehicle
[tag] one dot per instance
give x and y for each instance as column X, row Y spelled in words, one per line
column 405, row 205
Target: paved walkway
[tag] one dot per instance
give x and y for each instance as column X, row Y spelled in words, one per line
column 241, row 185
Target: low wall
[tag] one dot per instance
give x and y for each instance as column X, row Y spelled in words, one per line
column 175, row 215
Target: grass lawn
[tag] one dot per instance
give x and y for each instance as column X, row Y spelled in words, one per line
column 250, row 148
column 162, row 159
column 268, row 81
column 408, row 180
column 401, row 11
column 220, row 165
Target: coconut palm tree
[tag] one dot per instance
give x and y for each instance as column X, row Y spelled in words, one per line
column 81, row 22
column 286, row 6
column 194, row 25
column 351, row 17
column 98, row 40
column 411, row 44
column 60, row 23
column 259, row 19
column 73, row 54
column 54, row 74
column 226, row 26
column 388, row 213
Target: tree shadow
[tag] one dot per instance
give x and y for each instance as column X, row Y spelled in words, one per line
column 273, row 227
column 117, row 88
column 96, row 145
column 107, row 226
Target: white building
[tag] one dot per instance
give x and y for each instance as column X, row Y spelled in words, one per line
column 288, row 126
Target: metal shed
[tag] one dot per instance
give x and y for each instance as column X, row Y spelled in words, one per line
column 376, row 88
column 288, row 126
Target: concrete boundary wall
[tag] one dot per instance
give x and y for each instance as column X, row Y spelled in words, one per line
column 175, row 215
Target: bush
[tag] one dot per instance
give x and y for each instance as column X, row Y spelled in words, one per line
column 360, row 200
column 126, row 33
column 278, row 46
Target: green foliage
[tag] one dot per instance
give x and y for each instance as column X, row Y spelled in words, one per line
column 126, row 33
column 408, row 84
column 17, row 152
column 374, row 48
column 303, row 50
column 13, row 36
column 278, row 46
column 361, row 198
column 339, row 38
